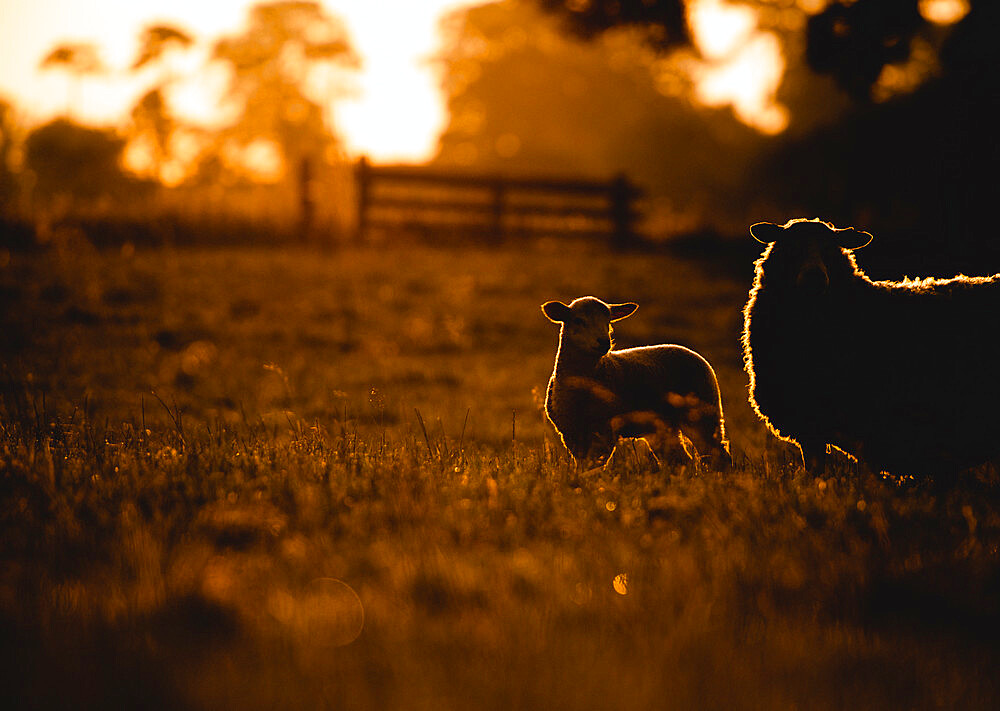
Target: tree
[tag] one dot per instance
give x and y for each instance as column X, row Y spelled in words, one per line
column 77, row 59
column 283, row 130
column 850, row 40
column 853, row 42
column 680, row 35
column 272, row 62
column 152, row 123
column 71, row 162
column 664, row 21
column 151, row 129
column 913, row 154
column 10, row 133
column 525, row 97
column 920, row 170
column 156, row 40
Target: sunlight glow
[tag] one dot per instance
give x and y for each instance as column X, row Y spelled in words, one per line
column 398, row 112
column 391, row 110
column 620, row 584
column 812, row 7
column 944, row 12
column 896, row 79
column 30, row 30
column 721, row 28
column 394, row 111
column 262, row 159
column 138, row 157
column 743, row 66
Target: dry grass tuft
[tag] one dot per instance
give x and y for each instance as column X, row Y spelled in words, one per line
column 282, row 530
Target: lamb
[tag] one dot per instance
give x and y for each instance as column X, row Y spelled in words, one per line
column 662, row 393
column 902, row 375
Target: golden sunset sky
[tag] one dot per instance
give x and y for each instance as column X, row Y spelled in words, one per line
column 394, row 110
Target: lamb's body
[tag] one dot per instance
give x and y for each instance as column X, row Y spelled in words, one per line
column 902, row 374
column 597, row 395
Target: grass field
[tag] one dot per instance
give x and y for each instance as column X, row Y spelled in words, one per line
column 251, row 478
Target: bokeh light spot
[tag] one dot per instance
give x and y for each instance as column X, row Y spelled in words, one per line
column 944, row 12
column 620, row 584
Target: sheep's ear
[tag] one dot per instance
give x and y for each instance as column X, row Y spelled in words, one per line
column 766, row 232
column 620, row 311
column 555, row 311
column 850, row 238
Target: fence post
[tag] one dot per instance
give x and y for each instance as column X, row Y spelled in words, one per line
column 362, row 181
column 496, row 228
column 307, row 211
column 621, row 195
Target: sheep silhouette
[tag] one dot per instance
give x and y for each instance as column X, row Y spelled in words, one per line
column 666, row 394
column 901, row 374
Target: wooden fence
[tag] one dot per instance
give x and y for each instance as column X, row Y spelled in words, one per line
column 436, row 201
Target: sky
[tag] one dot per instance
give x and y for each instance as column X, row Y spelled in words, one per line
column 395, row 109
column 394, row 38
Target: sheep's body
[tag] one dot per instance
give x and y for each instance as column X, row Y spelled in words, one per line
column 596, row 395
column 901, row 374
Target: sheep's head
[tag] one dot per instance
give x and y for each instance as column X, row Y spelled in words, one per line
column 808, row 255
column 586, row 322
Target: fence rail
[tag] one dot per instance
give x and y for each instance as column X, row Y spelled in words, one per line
column 493, row 205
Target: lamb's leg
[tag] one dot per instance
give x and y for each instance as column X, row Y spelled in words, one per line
column 631, row 454
column 706, row 434
column 669, row 447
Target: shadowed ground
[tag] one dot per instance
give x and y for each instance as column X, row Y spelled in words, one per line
column 278, row 526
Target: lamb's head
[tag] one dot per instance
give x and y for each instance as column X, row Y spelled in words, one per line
column 807, row 256
column 586, row 322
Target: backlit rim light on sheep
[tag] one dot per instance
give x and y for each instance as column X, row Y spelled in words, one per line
column 666, row 394
column 831, row 359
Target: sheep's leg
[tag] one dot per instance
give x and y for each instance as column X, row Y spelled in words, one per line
column 813, row 455
column 688, row 446
column 641, row 452
column 597, row 451
column 647, row 453
column 583, row 449
column 721, row 460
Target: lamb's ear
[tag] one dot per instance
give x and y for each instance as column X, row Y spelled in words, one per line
column 850, row 238
column 766, row 232
column 555, row 311
column 620, row 311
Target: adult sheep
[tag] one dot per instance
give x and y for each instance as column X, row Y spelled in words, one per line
column 659, row 393
column 903, row 375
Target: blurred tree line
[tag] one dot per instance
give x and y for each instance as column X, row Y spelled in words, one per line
column 526, row 97
column 884, row 118
column 267, row 164
column 891, row 108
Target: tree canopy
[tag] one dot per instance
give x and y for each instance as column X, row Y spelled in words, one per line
column 664, row 20
column 272, row 61
column 525, row 97
column 75, row 57
column 850, row 40
column 74, row 162
column 157, row 39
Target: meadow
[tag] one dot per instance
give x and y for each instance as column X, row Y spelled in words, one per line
column 252, row 477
